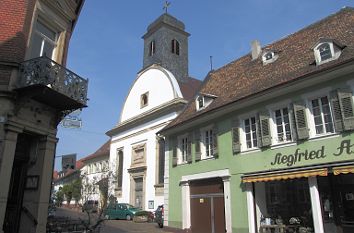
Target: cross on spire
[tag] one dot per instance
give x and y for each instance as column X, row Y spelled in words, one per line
column 166, row 5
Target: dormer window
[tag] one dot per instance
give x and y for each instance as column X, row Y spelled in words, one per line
column 175, row 47
column 200, row 102
column 269, row 57
column 144, row 100
column 326, row 50
column 203, row 100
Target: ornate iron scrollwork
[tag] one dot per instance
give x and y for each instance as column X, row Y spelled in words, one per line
column 45, row 71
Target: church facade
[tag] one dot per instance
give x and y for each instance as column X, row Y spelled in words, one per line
column 159, row 93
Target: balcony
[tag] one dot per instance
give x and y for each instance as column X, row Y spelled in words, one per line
column 46, row 81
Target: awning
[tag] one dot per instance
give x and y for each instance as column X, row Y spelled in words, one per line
column 285, row 175
column 343, row 170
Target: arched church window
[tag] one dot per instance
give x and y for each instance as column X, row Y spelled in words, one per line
column 152, row 48
column 175, row 47
column 144, row 99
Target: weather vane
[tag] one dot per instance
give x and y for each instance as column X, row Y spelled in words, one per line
column 166, row 5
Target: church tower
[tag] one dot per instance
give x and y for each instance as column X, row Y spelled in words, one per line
column 166, row 44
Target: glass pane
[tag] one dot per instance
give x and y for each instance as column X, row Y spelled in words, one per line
column 48, row 49
column 46, row 31
column 36, row 46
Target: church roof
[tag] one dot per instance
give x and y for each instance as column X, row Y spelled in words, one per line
column 165, row 19
column 244, row 77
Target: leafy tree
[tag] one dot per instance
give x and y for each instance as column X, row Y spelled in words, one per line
column 59, row 197
column 76, row 189
column 68, row 192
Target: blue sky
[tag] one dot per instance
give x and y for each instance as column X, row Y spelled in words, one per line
column 106, row 47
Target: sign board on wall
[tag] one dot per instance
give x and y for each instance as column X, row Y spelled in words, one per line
column 68, row 162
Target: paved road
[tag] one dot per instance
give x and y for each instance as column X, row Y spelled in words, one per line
column 118, row 226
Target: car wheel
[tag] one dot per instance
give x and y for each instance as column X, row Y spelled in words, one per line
column 128, row 217
column 160, row 225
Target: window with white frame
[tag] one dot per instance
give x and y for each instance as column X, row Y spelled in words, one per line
column 282, row 125
column 44, row 40
column 182, row 148
column 325, row 51
column 322, row 115
column 207, row 144
column 250, row 129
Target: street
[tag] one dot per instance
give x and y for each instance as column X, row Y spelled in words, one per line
column 117, row 226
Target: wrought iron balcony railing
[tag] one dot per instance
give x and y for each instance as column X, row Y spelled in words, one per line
column 44, row 71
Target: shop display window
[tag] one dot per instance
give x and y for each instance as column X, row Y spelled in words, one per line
column 284, row 206
column 337, row 202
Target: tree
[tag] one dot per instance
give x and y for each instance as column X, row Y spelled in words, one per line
column 59, row 197
column 68, row 192
column 76, row 189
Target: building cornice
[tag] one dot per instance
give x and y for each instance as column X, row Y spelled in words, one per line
column 171, row 106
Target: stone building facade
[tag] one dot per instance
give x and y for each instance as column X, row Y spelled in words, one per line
column 36, row 91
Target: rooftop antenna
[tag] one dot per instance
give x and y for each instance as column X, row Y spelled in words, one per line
column 211, row 62
column 166, row 5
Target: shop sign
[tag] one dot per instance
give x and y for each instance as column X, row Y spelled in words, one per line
column 345, row 147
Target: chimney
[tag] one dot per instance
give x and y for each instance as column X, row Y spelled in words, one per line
column 255, row 49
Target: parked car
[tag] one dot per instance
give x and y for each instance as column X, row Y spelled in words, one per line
column 90, row 206
column 159, row 216
column 121, row 211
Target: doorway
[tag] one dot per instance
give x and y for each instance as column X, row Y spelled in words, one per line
column 139, row 193
column 17, row 184
column 207, row 206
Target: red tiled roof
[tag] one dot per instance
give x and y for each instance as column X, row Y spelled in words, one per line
column 245, row 77
column 102, row 151
column 55, row 175
column 189, row 88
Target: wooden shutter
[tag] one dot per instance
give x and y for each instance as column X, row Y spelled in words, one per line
column 292, row 124
column 236, row 145
column 336, row 111
column 189, row 148
column 174, row 151
column 265, row 137
column 301, row 121
column 346, row 104
column 198, row 153
column 215, row 142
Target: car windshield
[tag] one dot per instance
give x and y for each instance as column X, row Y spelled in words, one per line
column 130, row 206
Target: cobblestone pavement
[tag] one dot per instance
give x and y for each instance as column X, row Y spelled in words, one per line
column 118, row 226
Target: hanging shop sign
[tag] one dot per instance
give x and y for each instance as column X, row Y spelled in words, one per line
column 344, row 148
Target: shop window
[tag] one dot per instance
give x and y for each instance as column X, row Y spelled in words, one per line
column 285, row 205
column 44, row 41
column 282, row 125
column 322, row 115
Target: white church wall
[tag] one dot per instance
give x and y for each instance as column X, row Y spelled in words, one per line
column 161, row 87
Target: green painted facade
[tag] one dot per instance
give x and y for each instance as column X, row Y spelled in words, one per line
column 337, row 147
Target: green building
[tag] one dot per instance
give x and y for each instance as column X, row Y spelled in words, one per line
column 268, row 143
